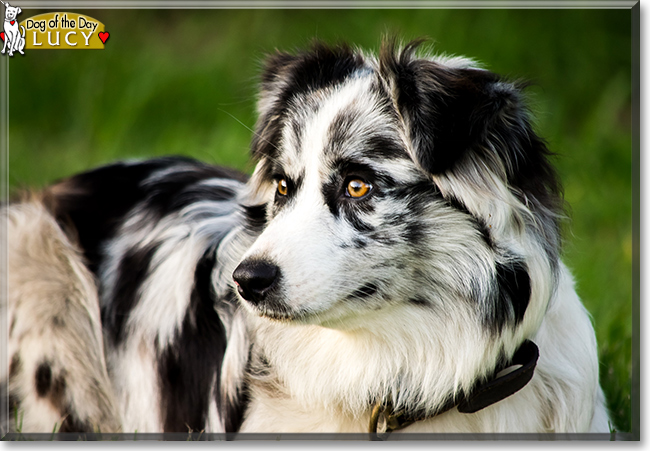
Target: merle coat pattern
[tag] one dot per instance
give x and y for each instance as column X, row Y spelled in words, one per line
column 397, row 243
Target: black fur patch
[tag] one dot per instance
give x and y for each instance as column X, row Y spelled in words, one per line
column 414, row 197
column 367, row 290
column 331, row 193
column 479, row 223
column 95, row 204
column 255, row 217
column 359, row 243
column 513, row 294
column 445, row 106
column 233, row 410
column 188, row 368
column 58, row 321
column 43, row 379
column 453, row 111
column 132, row 271
column 419, row 301
column 181, row 188
column 97, row 201
column 358, row 224
column 414, row 231
column 73, row 424
column 383, row 147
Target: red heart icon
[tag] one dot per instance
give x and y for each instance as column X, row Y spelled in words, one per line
column 2, row 35
column 12, row 22
column 103, row 36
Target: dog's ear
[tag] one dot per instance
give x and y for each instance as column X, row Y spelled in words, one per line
column 452, row 110
column 287, row 76
column 18, row 10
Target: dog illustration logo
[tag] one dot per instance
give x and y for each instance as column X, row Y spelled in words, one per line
column 13, row 39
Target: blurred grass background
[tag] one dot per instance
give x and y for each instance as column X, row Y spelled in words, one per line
column 184, row 82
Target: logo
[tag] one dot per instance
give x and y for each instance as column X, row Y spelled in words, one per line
column 56, row 30
column 11, row 35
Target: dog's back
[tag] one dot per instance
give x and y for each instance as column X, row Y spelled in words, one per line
column 142, row 243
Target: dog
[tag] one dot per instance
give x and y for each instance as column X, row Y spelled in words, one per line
column 392, row 265
column 13, row 39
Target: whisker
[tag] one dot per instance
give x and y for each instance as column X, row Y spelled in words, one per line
column 248, row 128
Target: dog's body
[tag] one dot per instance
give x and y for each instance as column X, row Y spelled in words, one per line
column 151, row 243
column 396, row 245
column 14, row 40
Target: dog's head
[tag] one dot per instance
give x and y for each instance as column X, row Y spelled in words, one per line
column 11, row 11
column 397, row 183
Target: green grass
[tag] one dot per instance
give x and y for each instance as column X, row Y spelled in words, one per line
column 184, row 82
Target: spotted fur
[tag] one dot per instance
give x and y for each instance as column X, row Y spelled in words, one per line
column 229, row 304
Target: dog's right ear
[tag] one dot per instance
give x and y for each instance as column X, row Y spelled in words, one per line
column 447, row 109
column 287, row 76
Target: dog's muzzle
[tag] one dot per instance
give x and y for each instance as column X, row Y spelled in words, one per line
column 255, row 279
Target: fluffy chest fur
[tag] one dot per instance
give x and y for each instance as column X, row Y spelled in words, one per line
column 314, row 379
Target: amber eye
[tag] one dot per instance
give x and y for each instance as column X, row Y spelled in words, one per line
column 358, row 188
column 283, row 188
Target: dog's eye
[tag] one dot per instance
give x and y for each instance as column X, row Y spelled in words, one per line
column 283, row 188
column 357, row 188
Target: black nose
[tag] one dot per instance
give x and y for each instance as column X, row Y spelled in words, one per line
column 255, row 278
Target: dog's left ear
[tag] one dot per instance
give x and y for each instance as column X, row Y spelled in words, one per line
column 450, row 111
column 287, row 76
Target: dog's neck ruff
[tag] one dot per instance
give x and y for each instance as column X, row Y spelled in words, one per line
column 384, row 419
